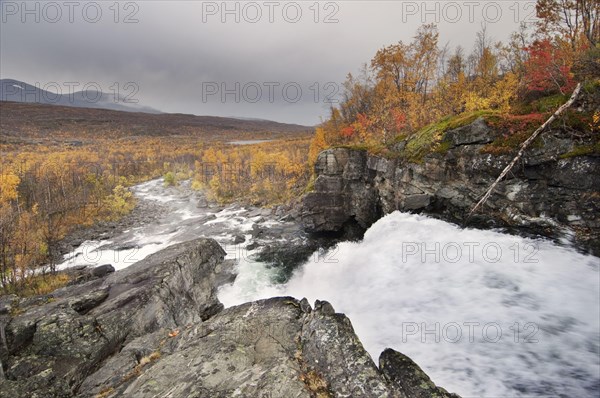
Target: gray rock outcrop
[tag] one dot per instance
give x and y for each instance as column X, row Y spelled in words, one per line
column 158, row 329
column 545, row 194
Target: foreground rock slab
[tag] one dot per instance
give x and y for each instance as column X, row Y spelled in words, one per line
column 157, row 329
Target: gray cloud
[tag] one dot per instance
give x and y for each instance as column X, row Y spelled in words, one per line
column 171, row 53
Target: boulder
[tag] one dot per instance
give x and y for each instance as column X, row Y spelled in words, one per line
column 402, row 371
column 276, row 348
column 72, row 332
column 477, row 132
column 238, row 239
column 101, row 270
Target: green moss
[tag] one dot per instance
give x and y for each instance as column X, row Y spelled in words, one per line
column 399, row 138
column 443, row 147
column 580, row 121
column 431, row 138
column 591, row 85
column 468, row 118
column 422, row 142
column 373, row 148
column 582, row 150
column 549, row 104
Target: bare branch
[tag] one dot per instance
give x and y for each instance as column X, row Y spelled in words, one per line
column 524, row 146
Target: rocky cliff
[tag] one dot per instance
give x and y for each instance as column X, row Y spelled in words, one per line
column 158, row 329
column 552, row 191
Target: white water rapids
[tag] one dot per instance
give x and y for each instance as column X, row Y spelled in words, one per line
column 494, row 315
column 485, row 314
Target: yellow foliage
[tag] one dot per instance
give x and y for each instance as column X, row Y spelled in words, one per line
column 504, row 92
column 317, row 144
column 210, row 156
column 265, row 173
column 8, row 187
column 76, row 186
column 595, row 125
column 44, row 284
column 473, row 102
column 120, row 203
column 197, row 185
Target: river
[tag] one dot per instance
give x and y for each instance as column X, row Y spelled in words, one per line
column 485, row 314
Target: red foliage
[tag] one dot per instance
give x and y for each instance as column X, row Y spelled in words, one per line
column 547, row 69
column 520, row 123
column 347, row 132
column 399, row 119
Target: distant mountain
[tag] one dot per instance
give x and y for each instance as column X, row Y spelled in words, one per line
column 24, row 119
column 18, row 91
column 255, row 119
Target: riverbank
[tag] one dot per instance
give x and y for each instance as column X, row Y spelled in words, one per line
column 166, row 215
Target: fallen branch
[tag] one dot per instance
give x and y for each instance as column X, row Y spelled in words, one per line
column 524, row 146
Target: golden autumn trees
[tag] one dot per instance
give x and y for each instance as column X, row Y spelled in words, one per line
column 404, row 76
column 8, row 195
column 265, row 174
column 28, row 244
column 410, row 85
column 447, row 98
column 119, row 203
column 317, row 144
column 8, row 187
column 48, row 190
column 575, row 21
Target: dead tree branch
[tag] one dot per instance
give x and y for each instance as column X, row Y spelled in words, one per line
column 524, row 146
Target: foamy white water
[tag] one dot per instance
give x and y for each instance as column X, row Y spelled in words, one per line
column 485, row 314
column 185, row 219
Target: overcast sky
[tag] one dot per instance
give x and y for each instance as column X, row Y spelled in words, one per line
column 182, row 55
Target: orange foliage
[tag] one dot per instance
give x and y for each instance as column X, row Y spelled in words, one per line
column 410, row 85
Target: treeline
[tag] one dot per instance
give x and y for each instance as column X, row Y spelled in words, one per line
column 407, row 86
column 47, row 190
column 262, row 174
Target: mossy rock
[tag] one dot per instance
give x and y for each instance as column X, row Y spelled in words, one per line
column 583, row 150
column 432, row 138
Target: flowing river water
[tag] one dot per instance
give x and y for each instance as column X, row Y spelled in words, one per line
column 485, row 314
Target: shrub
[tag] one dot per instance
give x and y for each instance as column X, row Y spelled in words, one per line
column 170, row 179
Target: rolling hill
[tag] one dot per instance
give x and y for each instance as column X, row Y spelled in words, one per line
column 19, row 121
